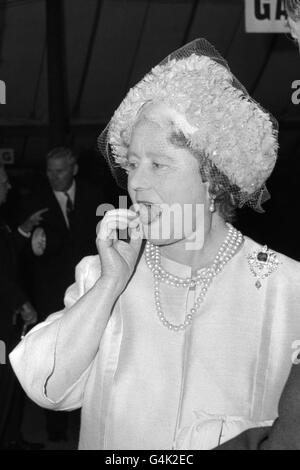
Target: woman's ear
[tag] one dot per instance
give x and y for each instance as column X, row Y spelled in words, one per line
column 206, row 192
column 211, row 198
column 208, row 186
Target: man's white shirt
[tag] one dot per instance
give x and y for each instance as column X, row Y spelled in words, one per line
column 62, row 199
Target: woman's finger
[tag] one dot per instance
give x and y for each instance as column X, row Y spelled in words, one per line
column 136, row 237
column 121, row 212
column 114, row 222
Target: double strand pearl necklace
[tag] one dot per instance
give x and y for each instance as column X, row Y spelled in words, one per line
column 205, row 276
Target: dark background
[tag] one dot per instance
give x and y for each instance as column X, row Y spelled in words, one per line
column 68, row 63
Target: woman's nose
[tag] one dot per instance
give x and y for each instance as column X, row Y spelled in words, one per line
column 139, row 179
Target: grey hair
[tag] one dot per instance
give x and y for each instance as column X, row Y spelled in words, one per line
column 61, row 152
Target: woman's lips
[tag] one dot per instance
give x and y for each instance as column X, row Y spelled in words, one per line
column 149, row 212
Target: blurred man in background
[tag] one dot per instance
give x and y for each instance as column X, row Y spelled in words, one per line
column 66, row 235
column 67, row 232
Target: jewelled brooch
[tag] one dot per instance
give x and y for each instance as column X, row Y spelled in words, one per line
column 262, row 263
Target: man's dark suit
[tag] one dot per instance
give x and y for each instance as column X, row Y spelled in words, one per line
column 12, row 298
column 65, row 247
column 285, row 432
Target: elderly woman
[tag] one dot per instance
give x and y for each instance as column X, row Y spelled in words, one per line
column 185, row 341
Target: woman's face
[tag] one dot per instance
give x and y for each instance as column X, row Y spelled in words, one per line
column 164, row 180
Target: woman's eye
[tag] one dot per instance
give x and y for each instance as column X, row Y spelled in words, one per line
column 158, row 165
column 130, row 166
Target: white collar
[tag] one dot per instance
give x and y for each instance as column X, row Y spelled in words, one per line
column 70, row 192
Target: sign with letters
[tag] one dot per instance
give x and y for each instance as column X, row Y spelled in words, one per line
column 265, row 16
column 7, row 156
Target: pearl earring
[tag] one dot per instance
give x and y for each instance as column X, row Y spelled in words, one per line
column 212, row 204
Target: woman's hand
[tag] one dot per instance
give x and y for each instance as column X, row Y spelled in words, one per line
column 118, row 258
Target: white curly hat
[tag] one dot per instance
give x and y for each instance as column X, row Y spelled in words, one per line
column 214, row 112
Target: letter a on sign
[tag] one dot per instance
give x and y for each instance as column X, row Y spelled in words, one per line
column 265, row 16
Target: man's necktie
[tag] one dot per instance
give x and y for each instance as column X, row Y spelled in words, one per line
column 69, row 208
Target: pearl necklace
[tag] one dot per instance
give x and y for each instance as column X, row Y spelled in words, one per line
column 205, row 276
